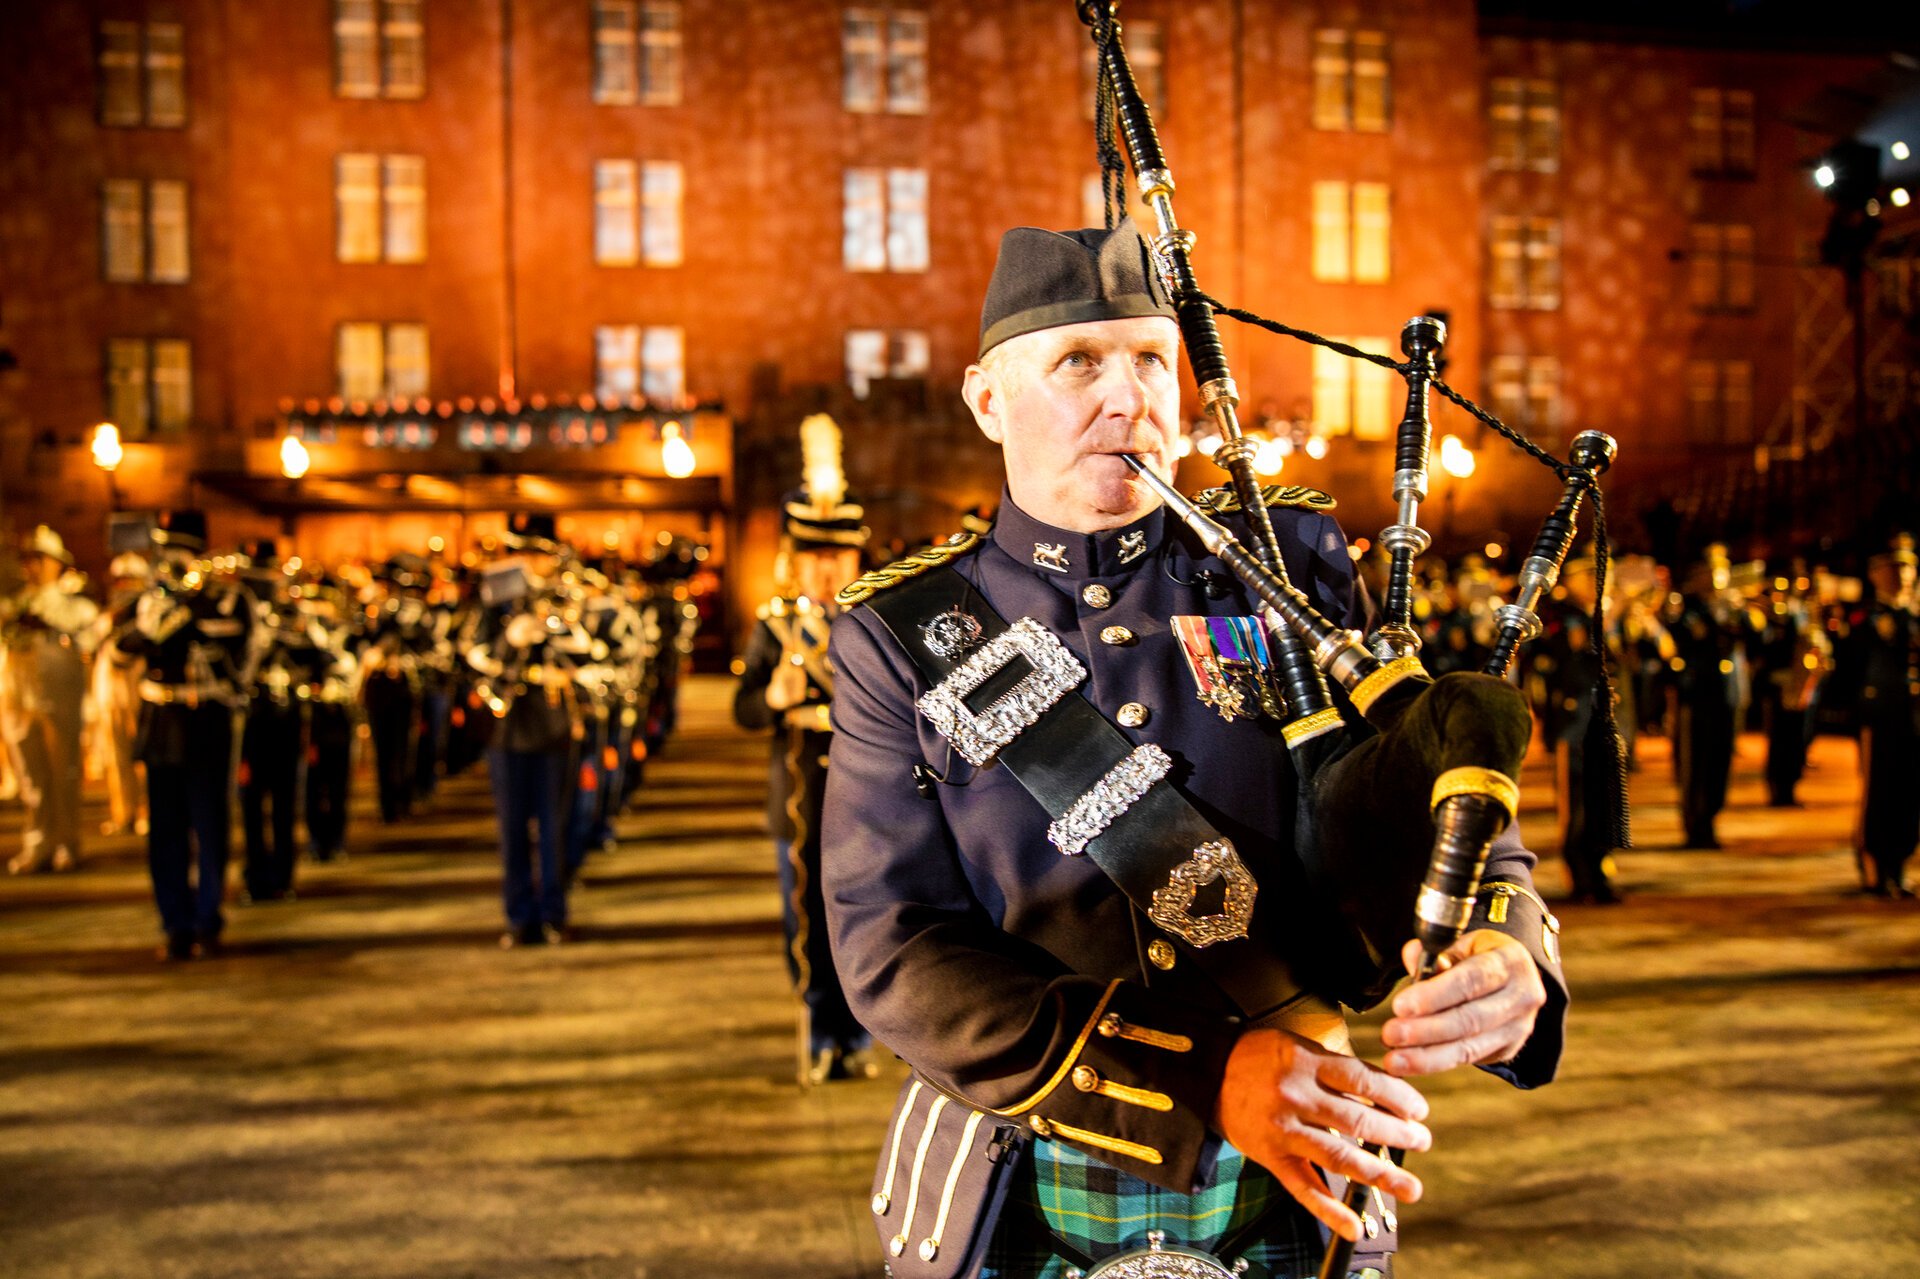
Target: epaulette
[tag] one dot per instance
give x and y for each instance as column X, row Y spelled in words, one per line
column 865, row 587
column 1221, row 501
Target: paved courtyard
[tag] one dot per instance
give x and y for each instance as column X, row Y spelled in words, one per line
column 364, row 1085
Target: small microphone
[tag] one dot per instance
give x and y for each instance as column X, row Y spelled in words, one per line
column 1214, row 584
column 923, row 780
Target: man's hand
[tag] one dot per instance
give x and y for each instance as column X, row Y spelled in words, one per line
column 1282, row 1094
column 787, row 686
column 1478, row 1009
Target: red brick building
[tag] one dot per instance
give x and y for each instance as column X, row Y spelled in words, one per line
column 212, row 210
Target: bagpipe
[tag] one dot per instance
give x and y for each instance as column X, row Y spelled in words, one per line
column 1405, row 781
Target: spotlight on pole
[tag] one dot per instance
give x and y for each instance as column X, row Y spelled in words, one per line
column 1901, row 197
column 106, row 447
column 1900, row 150
column 294, row 458
column 1823, row 177
column 676, row 455
column 1456, row 459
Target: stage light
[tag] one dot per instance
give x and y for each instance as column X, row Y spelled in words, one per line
column 1900, row 150
column 1456, row 459
column 1316, row 447
column 676, row 455
column 1269, row 458
column 1901, row 197
column 106, row 447
column 294, row 458
column 1823, row 176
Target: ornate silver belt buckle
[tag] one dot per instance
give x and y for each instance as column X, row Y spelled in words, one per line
column 979, row 736
column 1162, row 1260
column 1215, row 859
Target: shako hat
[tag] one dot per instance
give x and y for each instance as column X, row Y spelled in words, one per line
column 819, row 513
column 45, row 541
column 186, row 529
column 1044, row 279
column 533, row 531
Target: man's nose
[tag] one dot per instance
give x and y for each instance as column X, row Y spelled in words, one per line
column 1126, row 393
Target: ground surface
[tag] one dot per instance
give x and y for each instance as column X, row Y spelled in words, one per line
column 366, row 1086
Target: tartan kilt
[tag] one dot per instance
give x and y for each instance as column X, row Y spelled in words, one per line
column 1062, row 1195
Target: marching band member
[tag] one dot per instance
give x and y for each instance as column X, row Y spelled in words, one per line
column 43, row 688
column 116, row 700
column 786, row 685
column 1890, row 720
column 1019, row 979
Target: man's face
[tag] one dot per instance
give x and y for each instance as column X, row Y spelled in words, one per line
column 1067, row 405
column 819, row 574
column 40, row 570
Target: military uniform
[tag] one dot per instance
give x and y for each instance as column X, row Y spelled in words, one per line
column 1024, row 982
column 1711, row 686
column 193, row 635
column 1890, row 718
column 43, row 688
column 292, row 658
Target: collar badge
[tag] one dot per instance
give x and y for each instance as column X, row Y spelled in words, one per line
column 1050, row 555
column 1132, row 545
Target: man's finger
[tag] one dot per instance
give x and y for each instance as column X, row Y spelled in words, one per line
column 1304, row 1184
column 1337, row 1154
column 1497, row 1045
column 1471, row 977
column 1355, row 1078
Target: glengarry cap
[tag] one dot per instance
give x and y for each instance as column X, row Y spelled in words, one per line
column 1044, row 279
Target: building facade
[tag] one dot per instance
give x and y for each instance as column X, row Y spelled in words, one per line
column 355, row 219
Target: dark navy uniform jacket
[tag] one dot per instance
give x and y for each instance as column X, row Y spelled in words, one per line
column 1018, row 979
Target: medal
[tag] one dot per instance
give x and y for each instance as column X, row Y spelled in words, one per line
column 1228, row 659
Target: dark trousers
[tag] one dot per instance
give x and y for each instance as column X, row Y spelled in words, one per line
column 189, row 812
column 526, row 798
column 270, row 778
column 1890, row 824
column 1786, row 751
column 431, row 745
column 1704, row 755
column 390, row 717
column 329, row 768
column 803, row 922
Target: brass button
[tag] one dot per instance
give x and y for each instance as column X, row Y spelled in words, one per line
column 1110, row 1025
column 897, row 1245
column 1086, row 1078
column 1116, row 635
column 929, row 1250
column 1096, row 595
column 881, row 1202
column 1041, row 1128
column 1161, row 953
column 1132, row 715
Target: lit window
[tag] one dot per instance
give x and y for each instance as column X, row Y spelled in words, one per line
column 661, row 188
column 1352, row 231
column 1720, row 267
column 1145, row 57
column 124, row 230
column 635, row 362
column 1525, row 394
column 403, row 53
column 1524, row 264
column 1353, row 397
column 120, row 98
column 1523, row 118
column 615, row 78
column 380, row 204
column 1721, row 132
column 167, row 262
column 875, row 353
column 860, row 52
column 884, row 222
column 379, row 49
column 1352, row 81
column 1720, row 402
column 663, row 365
column 406, row 361
column 660, row 53
column 172, row 384
column 615, row 200
column 128, row 397
column 906, row 62
column 376, row 361
column 404, row 199
column 166, row 75
column 616, row 361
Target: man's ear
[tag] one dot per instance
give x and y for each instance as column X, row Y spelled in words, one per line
column 978, row 390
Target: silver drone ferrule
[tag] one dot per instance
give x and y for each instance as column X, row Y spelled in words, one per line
column 1343, row 656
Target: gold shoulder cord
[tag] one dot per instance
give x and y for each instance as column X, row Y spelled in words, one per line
column 865, row 587
column 1221, row 501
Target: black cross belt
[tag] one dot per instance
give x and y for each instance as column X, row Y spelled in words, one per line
column 1158, row 850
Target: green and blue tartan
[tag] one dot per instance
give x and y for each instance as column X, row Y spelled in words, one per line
column 1060, row 1194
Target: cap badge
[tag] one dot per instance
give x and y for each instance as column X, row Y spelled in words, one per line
column 949, row 634
column 1132, row 545
column 1050, row 555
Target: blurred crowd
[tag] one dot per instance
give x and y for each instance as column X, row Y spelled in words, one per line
column 196, row 682
column 1788, row 649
